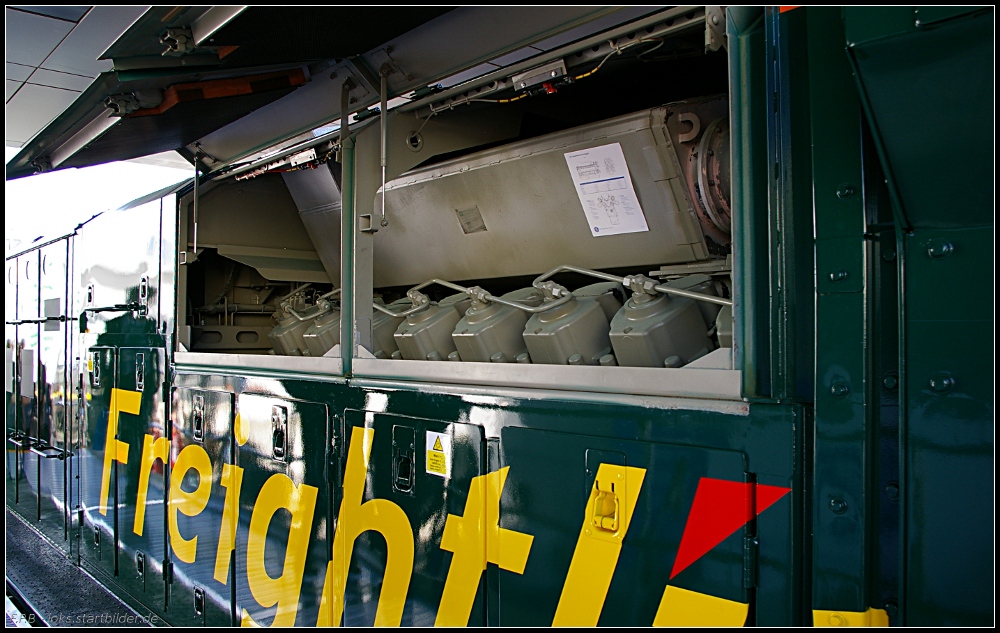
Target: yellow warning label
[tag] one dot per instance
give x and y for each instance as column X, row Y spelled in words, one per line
column 438, row 449
column 436, row 462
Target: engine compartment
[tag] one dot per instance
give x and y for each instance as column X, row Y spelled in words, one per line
column 585, row 221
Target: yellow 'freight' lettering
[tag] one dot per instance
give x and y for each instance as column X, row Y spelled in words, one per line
column 232, row 480
column 476, row 538
column 193, row 457
column 152, row 450
column 605, row 523
column 115, row 449
column 355, row 517
column 279, row 492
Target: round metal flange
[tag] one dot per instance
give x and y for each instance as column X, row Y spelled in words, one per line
column 714, row 182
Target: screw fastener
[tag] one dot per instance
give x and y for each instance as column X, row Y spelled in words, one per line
column 839, row 389
column 838, row 506
column 891, row 608
column 942, row 382
column 845, row 191
column 892, row 491
column 838, row 276
column 838, row 620
column 939, row 250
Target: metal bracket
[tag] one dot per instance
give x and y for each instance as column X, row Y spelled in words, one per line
column 140, row 370
column 715, row 29
column 198, row 418
column 279, row 434
column 606, row 507
column 540, row 74
column 179, row 41
column 199, row 601
column 369, row 76
column 122, row 104
column 95, row 372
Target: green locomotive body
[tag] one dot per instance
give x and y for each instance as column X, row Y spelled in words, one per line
column 237, row 402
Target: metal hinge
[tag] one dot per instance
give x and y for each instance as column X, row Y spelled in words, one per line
column 750, row 544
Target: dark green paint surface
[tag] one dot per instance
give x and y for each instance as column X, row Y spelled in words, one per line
column 426, row 498
column 213, row 433
column 305, row 462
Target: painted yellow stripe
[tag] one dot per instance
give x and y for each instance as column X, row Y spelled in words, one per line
column 871, row 617
column 240, row 430
column 682, row 607
column 195, row 458
column 232, row 481
column 114, row 449
column 356, row 518
column 475, row 544
column 597, row 550
column 464, row 537
column 152, row 450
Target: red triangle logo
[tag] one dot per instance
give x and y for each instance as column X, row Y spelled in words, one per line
column 767, row 495
column 720, row 508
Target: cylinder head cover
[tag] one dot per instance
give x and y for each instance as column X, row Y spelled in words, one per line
column 648, row 331
column 384, row 329
column 609, row 294
column 286, row 337
column 323, row 334
column 494, row 333
column 460, row 301
column 576, row 330
column 702, row 284
column 426, row 335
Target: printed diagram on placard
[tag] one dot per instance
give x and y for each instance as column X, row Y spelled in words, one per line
column 605, row 189
column 608, row 205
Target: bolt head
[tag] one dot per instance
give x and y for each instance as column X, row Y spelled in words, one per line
column 839, row 389
column 892, row 491
column 838, row 276
column 890, row 381
column 939, row 250
column 845, row 191
column 838, row 506
column 942, row 382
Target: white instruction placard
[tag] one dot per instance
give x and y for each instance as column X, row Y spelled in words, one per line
column 604, row 186
column 438, row 454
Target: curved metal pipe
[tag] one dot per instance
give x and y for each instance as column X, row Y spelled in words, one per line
column 319, row 312
column 480, row 295
column 295, row 292
column 404, row 313
column 545, row 307
column 697, row 296
column 576, row 269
